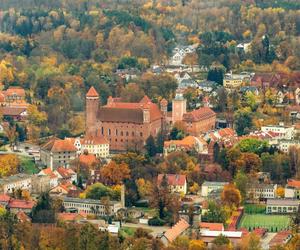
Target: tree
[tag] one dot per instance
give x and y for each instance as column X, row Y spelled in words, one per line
column 242, row 122
column 252, row 162
column 150, row 146
column 231, row 196
column 241, row 182
column 9, row 165
column 131, row 93
column 251, row 242
column 114, row 173
column 197, row 245
column 43, row 211
column 98, row 190
column 144, row 187
column 216, row 74
column 280, row 192
column 252, row 145
column 221, row 241
column 215, row 213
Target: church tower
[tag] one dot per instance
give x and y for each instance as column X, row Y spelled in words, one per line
column 92, row 105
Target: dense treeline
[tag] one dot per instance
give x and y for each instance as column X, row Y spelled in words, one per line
column 57, row 49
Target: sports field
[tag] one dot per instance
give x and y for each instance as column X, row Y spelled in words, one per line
column 273, row 223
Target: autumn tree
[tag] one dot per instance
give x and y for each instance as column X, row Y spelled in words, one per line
column 251, row 241
column 231, row 196
column 114, row 173
column 9, row 165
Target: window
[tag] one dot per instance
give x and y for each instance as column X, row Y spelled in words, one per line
column 102, row 130
column 109, row 132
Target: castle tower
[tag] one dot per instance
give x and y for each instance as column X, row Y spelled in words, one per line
column 178, row 108
column 92, row 105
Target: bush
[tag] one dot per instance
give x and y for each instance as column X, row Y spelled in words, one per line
column 155, row 221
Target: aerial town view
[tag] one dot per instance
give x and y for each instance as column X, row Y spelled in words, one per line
column 149, row 124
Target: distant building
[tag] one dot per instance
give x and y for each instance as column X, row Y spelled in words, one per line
column 189, row 143
column 262, row 191
column 281, row 131
column 208, row 187
column 178, row 107
column 177, row 182
column 292, row 189
column 282, row 206
column 96, row 145
column 89, row 206
column 124, row 125
column 284, row 145
column 53, row 182
column 40, row 184
column 199, row 121
column 15, row 182
column 16, row 206
column 57, row 153
column 66, row 175
column 63, row 189
column 174, row 232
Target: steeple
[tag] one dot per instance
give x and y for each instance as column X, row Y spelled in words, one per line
column 92, row 92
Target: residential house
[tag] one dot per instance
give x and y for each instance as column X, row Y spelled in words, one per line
column 284, row 145
column 252, row 89
column 13, row 97
column 199, row 121
column 63, row 189
column 87, row 160
column 208, row 187
column 95, row 145
column 57, row 152
column 14, row 113
column 211, row 226
column 53, row 177
column 244, row 47
column 16, row 205
column 262, row 191
column 174, row 232
column 19, row 181
column 189, row 143
column 207, row 86
column 66, row 175
column 281, row 131
column 176, row 182
column 40, row 184
column 90, row 206
column 292, row 189
column 282, row 206
column 4, row 199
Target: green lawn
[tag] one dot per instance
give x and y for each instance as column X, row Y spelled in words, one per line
column 28, row 165
column 273, row 223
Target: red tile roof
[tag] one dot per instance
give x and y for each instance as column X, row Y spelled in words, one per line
column 15, row 91
column 293, row 183
column 21, row 204
column 92, row 92
column 212, row 226
column 23, row 217
column 116, row 111
column 58, row 145
column 94, row 140
column 199, row 114
column 4, row 198
column 12, row 111
column 65, row 172
column 187, row 142
column 173, row 179
column 280, row 238
column 70, row 216
column 49, row 172
column 172, row 233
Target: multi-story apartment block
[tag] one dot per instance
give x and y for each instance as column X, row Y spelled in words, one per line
column 282, row 206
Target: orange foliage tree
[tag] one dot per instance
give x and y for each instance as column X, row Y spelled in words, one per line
column 231, row 196
column 114, row 174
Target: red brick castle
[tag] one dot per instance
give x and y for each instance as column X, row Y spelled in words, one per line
column 124, row 125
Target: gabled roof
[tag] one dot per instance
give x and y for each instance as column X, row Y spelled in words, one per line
column 92, row 92
column 293, row 183
column 58, row 145
column 12, row 111
column 65, row 172
column 48, row 172
column 15, row 91
column 94, row 140
column 70, row 216
column 4, row 198
column 175, row 231
column 173, row 179
column 22, row 217
column 199, row 114
column 21, row 204
column 188, row 142
column 117, row 111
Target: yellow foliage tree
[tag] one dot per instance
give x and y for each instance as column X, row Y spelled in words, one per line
column 280, row 192
column 197, row 245
column 144, row 187
column 8, row 164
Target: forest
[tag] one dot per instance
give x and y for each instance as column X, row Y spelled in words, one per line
column 56, row 50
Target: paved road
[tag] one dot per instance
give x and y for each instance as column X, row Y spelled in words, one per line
column 266, row 240
column 155, row 230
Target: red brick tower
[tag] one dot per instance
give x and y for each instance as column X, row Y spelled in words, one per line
column 92, row 105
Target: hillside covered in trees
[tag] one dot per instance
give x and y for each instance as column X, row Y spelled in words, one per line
column 56, row 50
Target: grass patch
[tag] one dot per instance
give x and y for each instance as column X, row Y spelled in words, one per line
column 255, row 208
column 147, row 210
column 273, row 223
column 28, row 165
column 127, row 231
